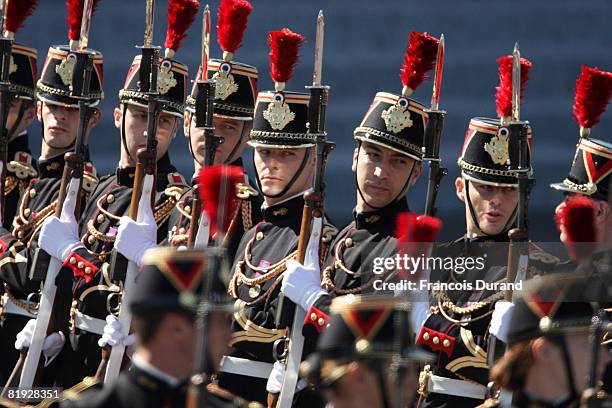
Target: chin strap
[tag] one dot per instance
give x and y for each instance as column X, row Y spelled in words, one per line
column 400, row 195
column 20, row 114
column 506, row 228
column 122, row 132
column 290, row 183
column 567, row 363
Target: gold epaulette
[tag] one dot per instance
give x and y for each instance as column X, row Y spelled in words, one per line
column 21, row 166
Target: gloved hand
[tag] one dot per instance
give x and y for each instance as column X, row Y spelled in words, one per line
column 112, row 335
column 420, row 310
column 500, row 320
column 59, row 236
column 302, row 283
column 52, row 345
column 275, row 380
column 134, row 238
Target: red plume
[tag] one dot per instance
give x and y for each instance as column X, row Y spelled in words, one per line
column 593, row 91
column 411, row 227
column 284, row 47
column 503, row 95
column 576, row 219
column 181, row 14
column 75, row 15
column 17, row 12
column 232, row 21
column 210, row 181
column 420, row 57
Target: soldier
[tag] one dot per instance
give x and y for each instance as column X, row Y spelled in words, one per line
column 551, row 339
column 164, row 320
column 58, row 114
column 362, row 359
column 284, row 162
column 455, row 327
column 236, row 90
column 87, row 258
column 386, row 163
column 22, row 111
column 590, row 174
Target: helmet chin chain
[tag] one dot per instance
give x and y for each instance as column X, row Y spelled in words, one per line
column 400, row 195
column 506, row 228
column 290, row 183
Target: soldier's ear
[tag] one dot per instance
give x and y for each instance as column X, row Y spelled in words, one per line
column 418, row 169
column 355, row 155
column 39, row 110
column 186, row 123
column 117, row 115
column 460, row 188
column 602, row 212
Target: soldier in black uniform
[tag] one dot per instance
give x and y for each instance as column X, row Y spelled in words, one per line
column 236, row 90
column 59, row 117
column 88, row 262
column 361, row 359
column 164, row 321
column 21, row 167
column 456, row 326
column 284, row 162
column 386, row 163
column 551, row 347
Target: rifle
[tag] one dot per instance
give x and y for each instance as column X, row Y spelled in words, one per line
column 433, row 136
column 199, row 232
column 310, row 228
column 6, row 49
column 45, row 267
column 143, row 192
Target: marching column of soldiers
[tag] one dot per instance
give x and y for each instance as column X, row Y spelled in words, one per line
column 144, row 288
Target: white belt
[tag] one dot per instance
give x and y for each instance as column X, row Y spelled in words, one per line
column 11, row 307
column 459, row 388
column 243, row 366
column 88, row 323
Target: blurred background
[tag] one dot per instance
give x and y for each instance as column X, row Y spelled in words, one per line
column 364, row 46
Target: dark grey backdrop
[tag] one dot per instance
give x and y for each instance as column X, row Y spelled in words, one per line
column 365, row 43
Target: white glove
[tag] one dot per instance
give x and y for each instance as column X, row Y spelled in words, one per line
column 52, row 345
column 420, row 310
column 302, row 283
column 112, row 335
column 134, row 238
column 500, row 320
column 275, row 380
column 59, row 236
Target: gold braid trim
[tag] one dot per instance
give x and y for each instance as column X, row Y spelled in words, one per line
column 245, row 208
column 20, row 304
column 444, row 304
column 10, row 183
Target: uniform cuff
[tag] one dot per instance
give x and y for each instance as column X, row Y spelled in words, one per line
column 436, row 341
column 317, row 318
column 81, row 267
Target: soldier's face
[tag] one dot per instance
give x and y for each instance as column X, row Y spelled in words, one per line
column 13, row 115
column 230, row 130
column 135, row 125
column 493, row 206
column 60, row 124
column 219, row 336
column 276, row 167
column 382, row 175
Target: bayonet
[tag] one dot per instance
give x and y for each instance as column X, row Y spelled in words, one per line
column 318, row 64
column 150, row 19
column 437, row 82
column 85, row 24
column 3, row 7
column 205, row 41
column 516, row 83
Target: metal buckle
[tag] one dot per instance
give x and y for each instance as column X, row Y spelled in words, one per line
column 424, row 381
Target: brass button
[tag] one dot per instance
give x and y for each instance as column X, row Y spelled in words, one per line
column 313, row 317
column 91, row 239
column 100, row 218
column 26, row 212
column 259, row 236
column 73, row 260
column 321, row 321
column 88, row 271
column 348, row 242
column 446, row 343
column 81, row 265
column 188, row 209
column 181, row 230
column 20, row 234
column 32, row 193
column 110, row 198
column 435, row 340
column 425, row 336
